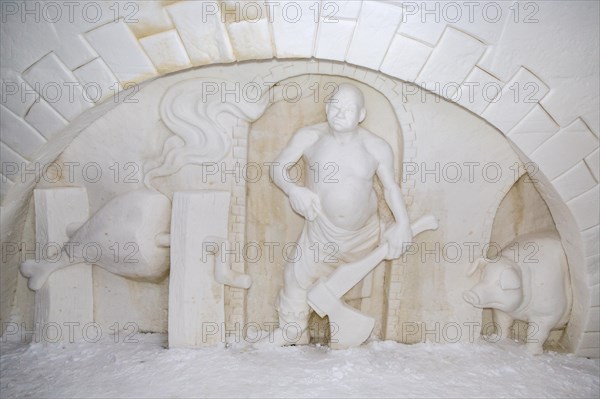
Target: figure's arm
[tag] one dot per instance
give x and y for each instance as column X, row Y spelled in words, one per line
column 400, row 232
column 302, row 200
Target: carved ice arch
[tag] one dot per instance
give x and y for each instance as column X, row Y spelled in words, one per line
column 565, row 220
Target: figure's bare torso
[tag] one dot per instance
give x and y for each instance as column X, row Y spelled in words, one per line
column 341, row 173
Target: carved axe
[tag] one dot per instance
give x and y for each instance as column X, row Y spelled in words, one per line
column 353, row 327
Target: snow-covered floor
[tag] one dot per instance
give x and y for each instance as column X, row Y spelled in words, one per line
column 378, row 369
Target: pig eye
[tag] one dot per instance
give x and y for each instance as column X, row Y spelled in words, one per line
column 509, row 280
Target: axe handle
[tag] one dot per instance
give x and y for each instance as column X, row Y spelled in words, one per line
column 348, row 275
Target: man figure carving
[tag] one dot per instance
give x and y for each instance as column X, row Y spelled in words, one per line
column 341, row 213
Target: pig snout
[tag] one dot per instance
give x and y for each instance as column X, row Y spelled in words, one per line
column 471, row 297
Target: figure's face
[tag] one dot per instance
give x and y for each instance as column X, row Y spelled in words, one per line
column 344, row 112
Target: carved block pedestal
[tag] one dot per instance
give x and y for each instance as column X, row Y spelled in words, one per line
column 64, row 305
column 196, row 300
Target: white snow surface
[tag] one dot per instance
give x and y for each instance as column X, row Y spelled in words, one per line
column 377, row 369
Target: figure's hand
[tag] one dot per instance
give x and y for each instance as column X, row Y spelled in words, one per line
column 397, row 237
column 304, row 202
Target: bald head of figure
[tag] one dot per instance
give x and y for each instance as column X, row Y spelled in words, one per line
column 346, row 108
column 347, row 90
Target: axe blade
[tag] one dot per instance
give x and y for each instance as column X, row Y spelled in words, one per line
column 325, row 296
column 348, row 326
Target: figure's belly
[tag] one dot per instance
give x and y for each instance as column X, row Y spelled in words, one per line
column 348, row 205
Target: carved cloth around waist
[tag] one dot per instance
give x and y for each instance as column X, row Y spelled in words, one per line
column 324, row 246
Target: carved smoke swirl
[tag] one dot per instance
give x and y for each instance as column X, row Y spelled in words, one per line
column 193, row 117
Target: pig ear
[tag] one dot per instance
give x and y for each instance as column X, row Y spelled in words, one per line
column 510, row 280
column 476, row 265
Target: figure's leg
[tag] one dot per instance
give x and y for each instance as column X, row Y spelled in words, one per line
column 503, row 322
column 293, row 313
column 293, row 308
column 537, row 334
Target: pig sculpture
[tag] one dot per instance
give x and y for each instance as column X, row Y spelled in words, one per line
column 529, row 282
